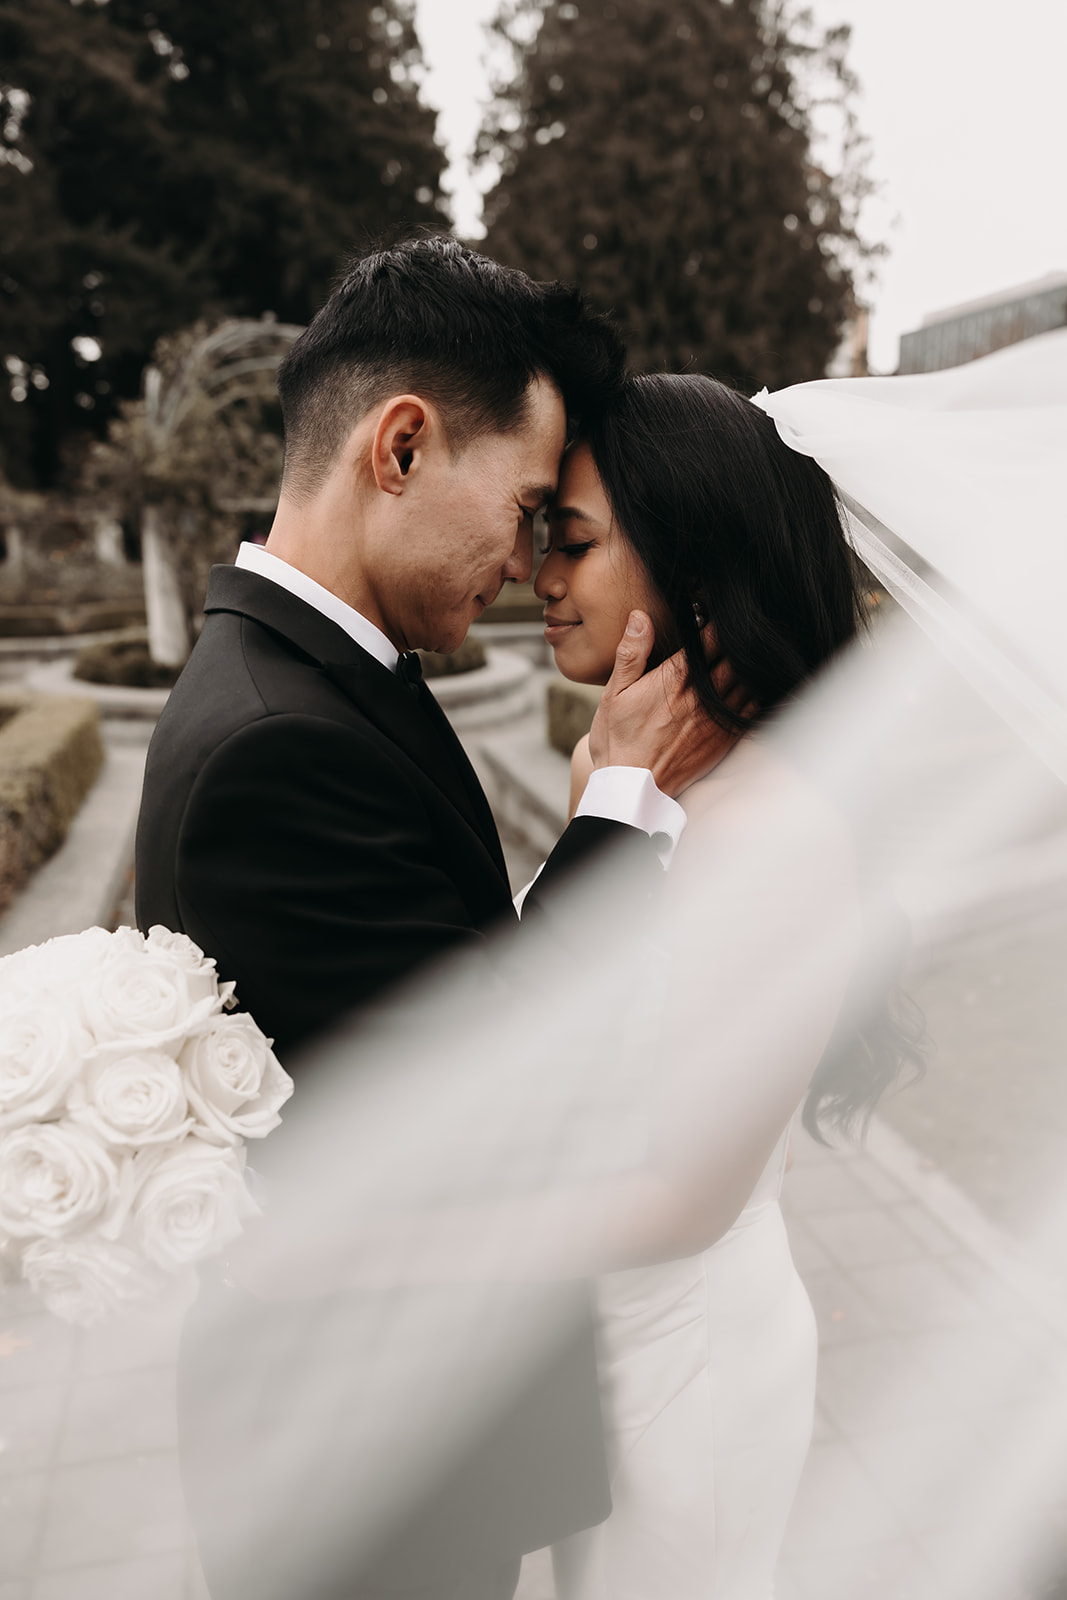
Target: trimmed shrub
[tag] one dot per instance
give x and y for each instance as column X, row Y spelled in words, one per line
column 571, row 708
column 516, row 602
column 49, row 621
column 51, row 753
column 444, row 664
column 28, row 622
column 125, row 663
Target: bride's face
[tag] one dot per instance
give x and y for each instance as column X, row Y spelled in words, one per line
column 590, row 579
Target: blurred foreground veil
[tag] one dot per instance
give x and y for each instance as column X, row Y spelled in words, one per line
column 604, row 1086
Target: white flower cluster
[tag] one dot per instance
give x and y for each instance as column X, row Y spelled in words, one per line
column 126, row 1093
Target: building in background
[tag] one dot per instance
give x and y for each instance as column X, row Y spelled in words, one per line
column 963, row 333
column 849, row 360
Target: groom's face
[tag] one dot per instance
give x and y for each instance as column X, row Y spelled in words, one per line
column 466, row 527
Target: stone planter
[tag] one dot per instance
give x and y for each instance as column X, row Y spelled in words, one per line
column 525, row 638
column 57, row 677
column 497, row 692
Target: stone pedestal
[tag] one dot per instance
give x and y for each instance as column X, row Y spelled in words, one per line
column 168, row 627
column 107, row 539
column 15, row 547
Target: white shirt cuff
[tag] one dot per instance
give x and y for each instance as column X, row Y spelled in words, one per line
column 629, row 794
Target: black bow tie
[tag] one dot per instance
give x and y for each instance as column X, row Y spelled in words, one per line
column 409, row 670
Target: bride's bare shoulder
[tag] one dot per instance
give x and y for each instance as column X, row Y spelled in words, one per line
column 758, row 794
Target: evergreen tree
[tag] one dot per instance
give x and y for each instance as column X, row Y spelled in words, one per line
column 659, row 152
column 195, row 157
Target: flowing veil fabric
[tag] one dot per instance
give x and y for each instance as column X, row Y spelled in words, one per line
column 526, row 1115
column 544, row 1109
column 953, row 484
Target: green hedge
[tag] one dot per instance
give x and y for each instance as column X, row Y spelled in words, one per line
column 50, row 621
column 571, row 708
column 516, row 602
column 467, row 658
column 50, row 755
column 124, row 663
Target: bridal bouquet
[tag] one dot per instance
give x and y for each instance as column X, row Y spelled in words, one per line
column 127, row 1091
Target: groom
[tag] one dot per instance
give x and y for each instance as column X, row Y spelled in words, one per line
column 310, row 819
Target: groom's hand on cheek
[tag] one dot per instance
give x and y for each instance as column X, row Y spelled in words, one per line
column 654, row 720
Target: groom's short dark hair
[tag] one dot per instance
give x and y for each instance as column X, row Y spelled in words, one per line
column 432, row 317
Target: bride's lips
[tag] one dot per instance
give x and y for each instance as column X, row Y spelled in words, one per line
column 557, row 628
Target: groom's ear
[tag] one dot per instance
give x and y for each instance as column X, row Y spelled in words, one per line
column 406, row 427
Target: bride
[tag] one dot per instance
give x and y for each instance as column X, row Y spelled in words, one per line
column 680, row 500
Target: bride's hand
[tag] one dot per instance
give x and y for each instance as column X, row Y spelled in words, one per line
column 654, row 720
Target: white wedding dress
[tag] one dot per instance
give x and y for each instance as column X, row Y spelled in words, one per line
column 707, row 1370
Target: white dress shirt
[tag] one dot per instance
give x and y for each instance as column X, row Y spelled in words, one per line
column 618, row 794
column 254, row 558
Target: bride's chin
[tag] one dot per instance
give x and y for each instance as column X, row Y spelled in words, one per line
column 597, row 677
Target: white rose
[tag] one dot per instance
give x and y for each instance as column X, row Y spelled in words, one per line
column 180, row 947
column 42, row 1046
column 19, row 976
column 189, row 1201
column 190, row 958
column 146, row 995
column 131, row 1100
column 54, row 970
column 83, row 1279
column 234, row 1081
column 54, row 1180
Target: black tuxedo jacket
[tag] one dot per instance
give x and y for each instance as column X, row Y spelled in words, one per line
column 310, row 821
column 314, row 825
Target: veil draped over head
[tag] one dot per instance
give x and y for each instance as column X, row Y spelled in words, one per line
column 953, row 484
column 604, row 1086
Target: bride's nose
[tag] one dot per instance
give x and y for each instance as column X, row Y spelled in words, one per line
column 550, row 584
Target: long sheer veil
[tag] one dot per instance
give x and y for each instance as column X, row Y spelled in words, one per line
column 606, row 1083
column 953, row 488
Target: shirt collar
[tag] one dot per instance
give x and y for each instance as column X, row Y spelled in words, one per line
column 255, row 558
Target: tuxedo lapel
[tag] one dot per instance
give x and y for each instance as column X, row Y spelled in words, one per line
column 469, row 778
column 415, row 723
column 249, row 594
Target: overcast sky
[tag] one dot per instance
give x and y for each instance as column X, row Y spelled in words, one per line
column 963, row 103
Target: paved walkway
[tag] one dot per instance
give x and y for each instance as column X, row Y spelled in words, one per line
column 937, row 1467
column 938, row 1388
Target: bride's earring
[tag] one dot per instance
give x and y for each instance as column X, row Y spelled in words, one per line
column 699, row 616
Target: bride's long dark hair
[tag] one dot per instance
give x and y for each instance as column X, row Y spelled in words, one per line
column 733, row 527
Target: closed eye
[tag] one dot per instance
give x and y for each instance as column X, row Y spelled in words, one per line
column 572, row 549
